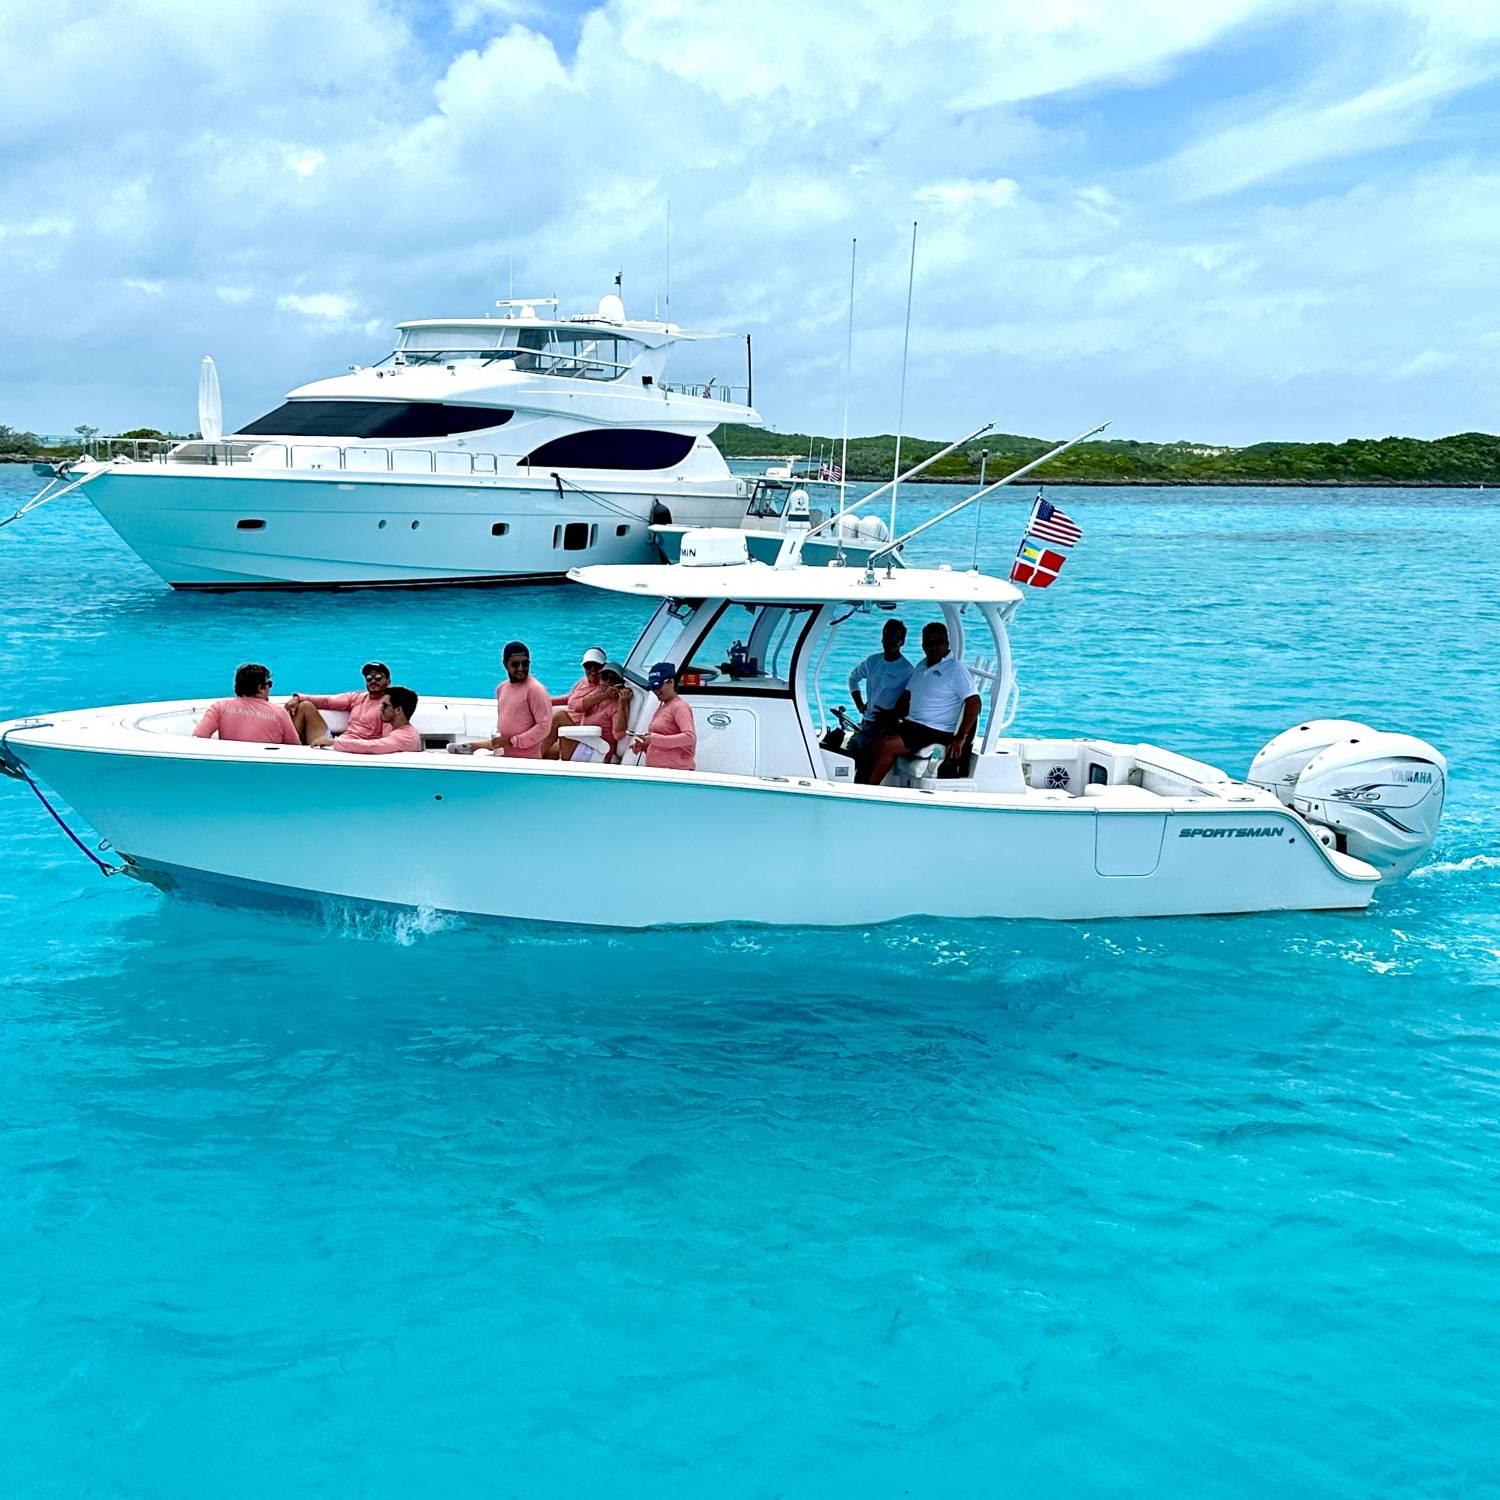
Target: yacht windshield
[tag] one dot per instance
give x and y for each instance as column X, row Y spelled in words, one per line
column 582, row 353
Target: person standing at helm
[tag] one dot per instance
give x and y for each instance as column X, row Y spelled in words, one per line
column 672, row 740
column 523, row 710
column 885, row 674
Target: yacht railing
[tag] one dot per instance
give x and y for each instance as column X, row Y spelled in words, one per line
column 737, row 395
column 353, row 458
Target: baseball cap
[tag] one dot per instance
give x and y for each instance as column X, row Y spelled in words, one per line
column 663, row 671
column 374, row 666
column 594, row 657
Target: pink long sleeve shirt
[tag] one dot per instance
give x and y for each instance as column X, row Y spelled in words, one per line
column 252, row 720
column 601, row 716
column 395, row 741
column 365, row 722
column 674, row 737
column 524, row 714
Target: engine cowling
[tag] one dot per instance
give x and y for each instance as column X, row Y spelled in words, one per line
column 1281, row 761
column 1383, row 793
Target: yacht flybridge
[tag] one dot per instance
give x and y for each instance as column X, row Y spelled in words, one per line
column 770, row 827
column 480, row 450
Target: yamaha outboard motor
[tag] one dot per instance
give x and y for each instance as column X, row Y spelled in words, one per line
column 1381, row 794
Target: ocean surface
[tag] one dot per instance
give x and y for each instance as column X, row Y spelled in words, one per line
column 339, row 1203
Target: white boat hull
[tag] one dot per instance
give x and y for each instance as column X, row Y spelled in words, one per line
column 522, row 839
column 208, row 528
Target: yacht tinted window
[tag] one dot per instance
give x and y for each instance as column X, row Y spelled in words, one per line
column 628, row 448
column 369, row 419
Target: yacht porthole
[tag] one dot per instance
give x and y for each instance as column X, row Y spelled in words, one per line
column 415, row 524
column 380, row 526
column 499, row 528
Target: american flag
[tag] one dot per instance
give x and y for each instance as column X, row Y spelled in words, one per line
column 831, row 472
column 1049, row 524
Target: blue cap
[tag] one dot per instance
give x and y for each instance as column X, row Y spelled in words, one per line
column 662, row 672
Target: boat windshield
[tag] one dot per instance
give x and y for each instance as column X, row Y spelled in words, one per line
column 576, row 353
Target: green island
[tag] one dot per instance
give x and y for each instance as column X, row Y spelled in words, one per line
column 1468, row 459
column 1465, row 460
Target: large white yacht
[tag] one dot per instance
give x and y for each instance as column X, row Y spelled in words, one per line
column 507, row 447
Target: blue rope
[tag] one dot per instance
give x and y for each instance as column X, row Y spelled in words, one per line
column 12, row 760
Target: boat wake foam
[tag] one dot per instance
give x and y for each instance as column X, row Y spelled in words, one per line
column 1458, row 866
column 402, row 926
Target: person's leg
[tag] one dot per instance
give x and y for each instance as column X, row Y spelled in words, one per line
column 308, row 722
column 876, row 765
column 549, row 746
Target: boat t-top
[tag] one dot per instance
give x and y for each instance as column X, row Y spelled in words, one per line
column 770, row 826
column 503, row 448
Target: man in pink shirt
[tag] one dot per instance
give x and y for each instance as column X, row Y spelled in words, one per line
column 249, row 716
column 397, row 706
column 365, row 721
column 672, row 740
column 523, row 711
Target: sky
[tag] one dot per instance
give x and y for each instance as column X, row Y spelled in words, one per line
column 1229, row 221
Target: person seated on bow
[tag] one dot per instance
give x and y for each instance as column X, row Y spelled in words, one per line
column 523, row 710
column 885, row 674
column 249, row 716
column 590, row 703
column 939, row 707
column 363, row 708
column 397, row 706
column 672, row 740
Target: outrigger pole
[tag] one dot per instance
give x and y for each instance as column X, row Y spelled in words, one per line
column 926, row 463
column 953, row 510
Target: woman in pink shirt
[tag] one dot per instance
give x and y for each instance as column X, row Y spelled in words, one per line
column 249, row 716
column 523, row 711
column 397, row 706
column 589, row 704
column 672, row 739
column 365, row 721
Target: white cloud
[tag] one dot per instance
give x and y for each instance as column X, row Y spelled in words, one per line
column 304, row 160
column 1245, row 260
column 962, row 194
column 328, row 307
column 151, row 288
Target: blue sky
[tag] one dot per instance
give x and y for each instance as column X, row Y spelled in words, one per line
column 1232, row 222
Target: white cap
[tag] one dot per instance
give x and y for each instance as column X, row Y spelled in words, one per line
column 594, row 657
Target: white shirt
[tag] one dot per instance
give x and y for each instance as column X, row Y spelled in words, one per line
column 885, row 681
column 938, row 693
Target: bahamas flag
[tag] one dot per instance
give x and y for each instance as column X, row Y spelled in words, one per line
column 1036, row 565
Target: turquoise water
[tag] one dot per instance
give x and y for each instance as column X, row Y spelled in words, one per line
column 351, row 1204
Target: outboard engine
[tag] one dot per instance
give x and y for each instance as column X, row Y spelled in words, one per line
column 1279, row 763
column 1381, row 794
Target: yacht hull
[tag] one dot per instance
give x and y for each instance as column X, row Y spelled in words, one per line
column 498, row 839
column 227, row 529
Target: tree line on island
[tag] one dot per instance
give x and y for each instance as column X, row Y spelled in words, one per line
column 1466, row 458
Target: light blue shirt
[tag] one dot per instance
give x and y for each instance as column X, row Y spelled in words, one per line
column 885, row 681
column 938, row 693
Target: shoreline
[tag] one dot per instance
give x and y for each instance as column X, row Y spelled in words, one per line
column 1098, row 484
